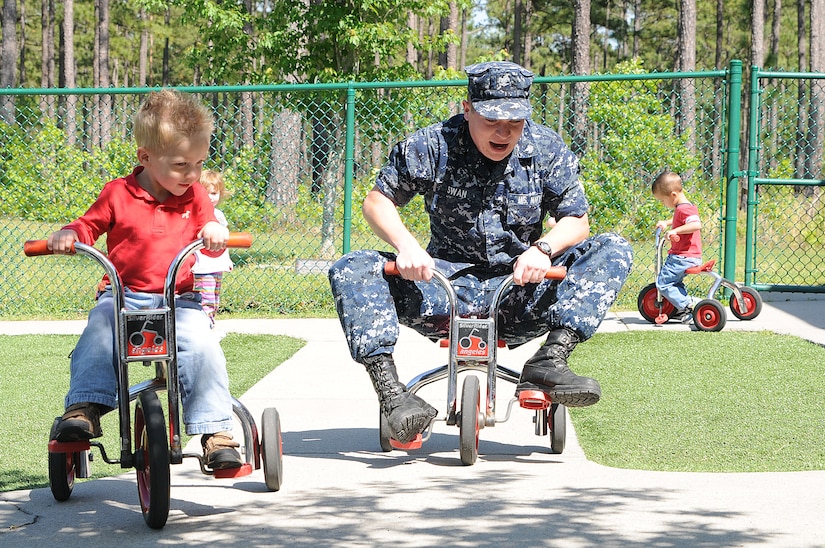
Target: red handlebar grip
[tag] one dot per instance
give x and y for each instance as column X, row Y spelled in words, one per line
column 239, row 239
column 554, row 273
column 36, row 248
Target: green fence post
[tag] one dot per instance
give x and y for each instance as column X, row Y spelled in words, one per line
column 732, row 175
column 753, row 166
column 348, row 167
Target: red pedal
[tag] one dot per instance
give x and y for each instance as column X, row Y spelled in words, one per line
column 661, row 318
column 416, row 443
column 533, row 399
column 244, row 470
column 68, row 446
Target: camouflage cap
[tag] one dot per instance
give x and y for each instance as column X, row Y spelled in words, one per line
column 499, row 90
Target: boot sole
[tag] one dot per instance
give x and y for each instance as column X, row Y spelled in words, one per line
column 68, row 431
column 224, row 459
column 569, row 397
column 413, row 425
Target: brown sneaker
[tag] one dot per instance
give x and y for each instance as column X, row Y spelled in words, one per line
column 81, row 421
column 219, row 451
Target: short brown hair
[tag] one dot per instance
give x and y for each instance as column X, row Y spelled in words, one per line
column 167, row 116
column 666, row 182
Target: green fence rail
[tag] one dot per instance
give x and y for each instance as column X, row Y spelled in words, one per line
column 300, row 158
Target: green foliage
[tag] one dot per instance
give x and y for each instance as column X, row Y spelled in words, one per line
column 46, row 180
column 247, row 208
column 637, row 141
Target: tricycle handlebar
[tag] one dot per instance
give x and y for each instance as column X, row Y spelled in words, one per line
column 36, row 248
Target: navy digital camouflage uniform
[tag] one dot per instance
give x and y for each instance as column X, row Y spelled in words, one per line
column 483, row 215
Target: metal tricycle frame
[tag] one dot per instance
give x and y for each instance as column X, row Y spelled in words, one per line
column 709, row 313
column 162, row 353
column 550, row 417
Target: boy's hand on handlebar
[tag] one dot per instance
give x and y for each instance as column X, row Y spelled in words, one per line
column 415, row 265
column 62, row 241
column 215, row 236
column 531, row 267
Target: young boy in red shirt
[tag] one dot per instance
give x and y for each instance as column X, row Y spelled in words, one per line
column 148, row 217
column 685, row 251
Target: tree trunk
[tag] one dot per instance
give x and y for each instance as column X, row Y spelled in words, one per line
column 465, row 37
column 802, row 92
column 716, row 145
column 637, row 25
column 687, row 63
column 8, row 59
column 101, row 125
column 282, row 188
column 773, row 117
column 21, row 47
column 817, row 99
column 143, row 51
column 69, row 121
column 517, row 32
column 47, row 57
column 580, row 65
column 412, row 24
column 528, row 37
column 452, row 47
column 757, row 57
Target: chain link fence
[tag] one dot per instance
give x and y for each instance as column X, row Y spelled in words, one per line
column 299, row 159
column 785, row 214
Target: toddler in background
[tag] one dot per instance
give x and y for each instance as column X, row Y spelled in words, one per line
column 208, row 271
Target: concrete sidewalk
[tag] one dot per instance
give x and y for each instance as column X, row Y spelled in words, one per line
column 341, row 490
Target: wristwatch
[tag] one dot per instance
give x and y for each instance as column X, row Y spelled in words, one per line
column 544, row 247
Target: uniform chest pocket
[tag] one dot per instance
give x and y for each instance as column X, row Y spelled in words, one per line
column 523, row 209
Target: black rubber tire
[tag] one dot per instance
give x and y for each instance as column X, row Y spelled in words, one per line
column 709, row 315
column 753, row 303
column 152, row 460
column 272, row 449
column 61, row 470
column 468, row 421
column 557, row 427
column 647, row 305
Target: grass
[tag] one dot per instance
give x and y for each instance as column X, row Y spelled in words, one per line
column 672, row 401
column 34, row 377
column 704, row 402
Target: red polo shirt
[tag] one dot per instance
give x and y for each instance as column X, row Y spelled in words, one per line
column 143, row 235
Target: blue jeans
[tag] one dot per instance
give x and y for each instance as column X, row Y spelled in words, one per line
column 204, row 384
column 671, row 279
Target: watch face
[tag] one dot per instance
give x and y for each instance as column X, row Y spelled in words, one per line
column 544, row 247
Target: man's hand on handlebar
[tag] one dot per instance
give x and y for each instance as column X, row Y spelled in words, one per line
column 415, row 264
column 531, row 267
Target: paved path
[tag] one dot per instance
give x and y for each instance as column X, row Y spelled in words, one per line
column 341, row 490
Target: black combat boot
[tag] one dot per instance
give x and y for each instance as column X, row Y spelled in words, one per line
column 547, row 371
column 407, row 414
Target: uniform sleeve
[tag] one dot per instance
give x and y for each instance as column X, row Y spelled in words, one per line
column 561, row 182
column 410, row 168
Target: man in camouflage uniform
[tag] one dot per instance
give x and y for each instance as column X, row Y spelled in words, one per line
column 490, row 178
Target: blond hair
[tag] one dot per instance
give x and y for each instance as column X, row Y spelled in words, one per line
column 666, row 182
column 167, row 116
column 213, row 182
